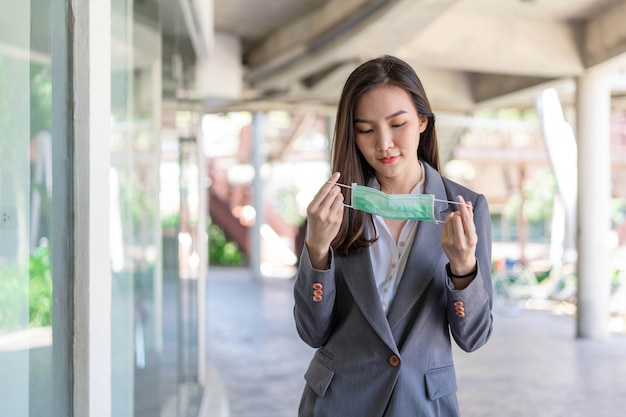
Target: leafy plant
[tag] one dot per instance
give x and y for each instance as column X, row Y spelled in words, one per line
column 618, row 211
column 13, row 296
column 221, row 250
column 170, row 221
column 15, row 290
column 538, row 199
column 40, row 293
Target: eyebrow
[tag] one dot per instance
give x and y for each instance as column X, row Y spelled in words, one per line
column 391, row 116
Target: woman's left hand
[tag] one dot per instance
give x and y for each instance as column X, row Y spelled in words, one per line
column 459, row 239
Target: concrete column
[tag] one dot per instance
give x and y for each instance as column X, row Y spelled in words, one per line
column 202, row 249
column 258, row 159
column 594, row 175
column 91, row 105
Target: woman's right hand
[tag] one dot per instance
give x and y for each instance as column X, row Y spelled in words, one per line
column 324, row 216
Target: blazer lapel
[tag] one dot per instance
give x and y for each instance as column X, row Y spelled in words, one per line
column 360, row 281
column 426, row 246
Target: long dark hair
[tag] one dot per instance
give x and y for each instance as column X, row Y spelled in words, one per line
column 346, row 157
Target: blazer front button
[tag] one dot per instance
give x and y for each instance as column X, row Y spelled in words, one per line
column 394, row 360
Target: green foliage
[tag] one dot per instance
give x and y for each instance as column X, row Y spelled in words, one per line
column 23, row 113
column 170, row 221
column 223, row 252
column 40, row 98
column 137, row 207
column 16, row 290
column 618, row 278
column 618, row 211
column 543, row 275
column 13, row 296
column 286, row 205
column 40, row 294
column 538, row 199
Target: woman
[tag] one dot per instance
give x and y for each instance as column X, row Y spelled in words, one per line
column 379, row 297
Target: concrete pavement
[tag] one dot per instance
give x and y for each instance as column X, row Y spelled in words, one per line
column 532, row 367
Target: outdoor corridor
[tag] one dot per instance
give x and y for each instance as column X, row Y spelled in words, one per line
column 532, row 367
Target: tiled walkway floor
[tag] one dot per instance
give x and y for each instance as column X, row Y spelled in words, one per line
column 532, row 367
column 253, row 344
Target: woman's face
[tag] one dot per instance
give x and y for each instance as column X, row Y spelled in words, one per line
column 387, row 129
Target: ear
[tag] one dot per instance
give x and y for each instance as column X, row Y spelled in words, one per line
column 423, row 123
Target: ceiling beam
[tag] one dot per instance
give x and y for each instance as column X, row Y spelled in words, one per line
column 485, row 42
column 386, row 25
column 490, row 86
column 605, row 37
column 308, row 33
column 199, row 19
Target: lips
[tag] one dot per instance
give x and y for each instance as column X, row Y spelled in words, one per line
column 388, row 159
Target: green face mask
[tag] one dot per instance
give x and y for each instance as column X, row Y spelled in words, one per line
column 394, row 206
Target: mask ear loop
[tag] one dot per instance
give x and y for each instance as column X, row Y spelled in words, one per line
column 344, row 186
column 469, row 206
column 452, row 202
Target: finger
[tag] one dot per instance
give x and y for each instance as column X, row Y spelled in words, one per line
column 332, row 181
column 467, row 216
column 324, row 191
column 457, row 228
column 447, row 234
column 330, row 205
column 337, row 203
column 324, row 222
column 322, row 206
column 465, row 207
column 330, row 184
column 332, row 199
column 334, row 177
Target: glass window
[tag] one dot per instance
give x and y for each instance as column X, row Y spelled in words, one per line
column 153, row 338
column 147, row 374
column 27, row 145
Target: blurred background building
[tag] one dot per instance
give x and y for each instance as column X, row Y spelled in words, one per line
column 143, row 142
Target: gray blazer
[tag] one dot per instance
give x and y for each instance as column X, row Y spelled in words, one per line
column 399, row 365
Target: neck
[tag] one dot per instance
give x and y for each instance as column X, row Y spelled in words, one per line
column 402, row 184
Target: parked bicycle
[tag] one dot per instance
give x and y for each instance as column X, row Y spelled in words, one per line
column 514, row 286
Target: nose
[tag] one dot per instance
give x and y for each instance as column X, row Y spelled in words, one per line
column 384, row 140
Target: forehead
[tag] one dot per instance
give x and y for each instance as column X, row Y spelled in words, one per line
column 383, row 100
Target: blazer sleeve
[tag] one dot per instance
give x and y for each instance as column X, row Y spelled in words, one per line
column 314, row 296
column 471, row 327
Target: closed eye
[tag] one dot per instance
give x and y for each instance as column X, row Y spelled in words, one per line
column 398, row 125
column 361, row 131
